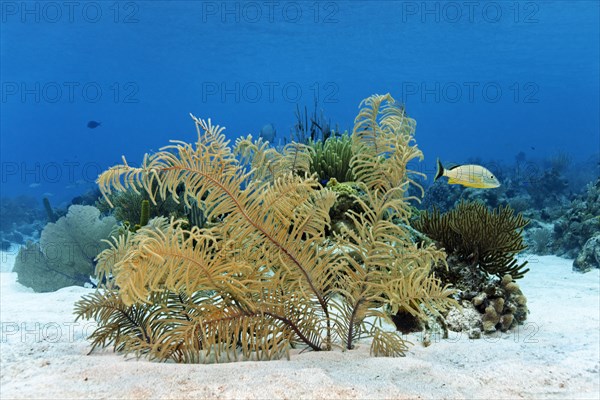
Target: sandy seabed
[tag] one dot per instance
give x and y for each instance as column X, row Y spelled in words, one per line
column 555, row 354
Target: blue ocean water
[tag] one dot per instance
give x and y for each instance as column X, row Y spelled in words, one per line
column 484, row 80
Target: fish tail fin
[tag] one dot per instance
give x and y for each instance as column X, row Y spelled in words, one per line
column 440, row 170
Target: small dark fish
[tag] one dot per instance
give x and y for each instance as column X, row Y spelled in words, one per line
column 93, row 124
column 532, row 148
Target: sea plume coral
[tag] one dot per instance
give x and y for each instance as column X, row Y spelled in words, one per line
column 263, row 277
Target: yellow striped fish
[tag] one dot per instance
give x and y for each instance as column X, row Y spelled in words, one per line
column 468, row 175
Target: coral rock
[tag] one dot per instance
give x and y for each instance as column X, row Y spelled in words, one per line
column 498, row 304
column 506, row 321
column 465, row 319
column 589, row 257
column 479, row 299
column 512, row 287
column 490, row 319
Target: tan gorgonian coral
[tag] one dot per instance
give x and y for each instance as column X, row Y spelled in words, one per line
column 263, row 278
column 383, row 144
column 267, row 163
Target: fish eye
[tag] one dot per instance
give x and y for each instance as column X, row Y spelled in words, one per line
column 492, row 176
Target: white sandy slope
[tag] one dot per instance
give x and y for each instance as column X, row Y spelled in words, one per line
column 554, row 355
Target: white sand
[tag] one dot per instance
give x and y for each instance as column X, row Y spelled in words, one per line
column 555, row 354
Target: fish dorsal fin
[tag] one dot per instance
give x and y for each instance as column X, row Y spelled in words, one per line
column 453, row 166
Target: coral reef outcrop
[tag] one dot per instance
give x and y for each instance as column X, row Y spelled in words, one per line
column 263, row 277
column 482, row 246
column 20, row 218
column 589, row 257
column 580, row 222
column 487, row 303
